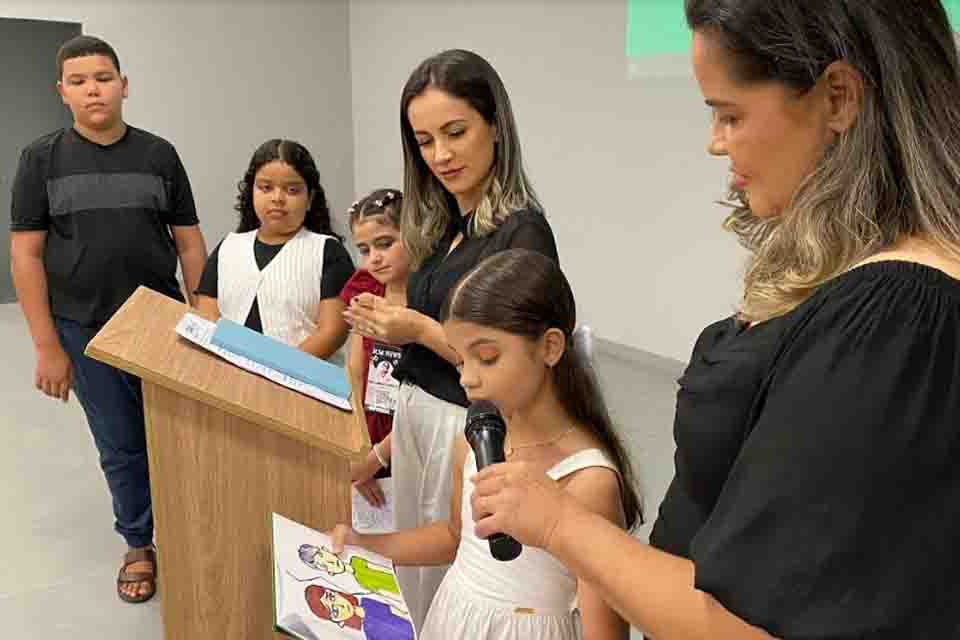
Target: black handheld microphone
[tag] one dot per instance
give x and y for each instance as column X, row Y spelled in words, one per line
column 486, row 431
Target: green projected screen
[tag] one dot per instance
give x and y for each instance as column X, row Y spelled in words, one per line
column 953, row 10
column 659, row 28
column 656, row 28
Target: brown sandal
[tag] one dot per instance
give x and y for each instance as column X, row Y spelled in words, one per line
column 138, row 555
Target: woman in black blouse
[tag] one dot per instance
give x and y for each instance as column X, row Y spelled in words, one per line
column 817, row 487
column 466, row 196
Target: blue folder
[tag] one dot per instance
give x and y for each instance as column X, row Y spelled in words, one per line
column 278, row 356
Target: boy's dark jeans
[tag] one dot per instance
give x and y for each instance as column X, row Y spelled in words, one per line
column 113, row 403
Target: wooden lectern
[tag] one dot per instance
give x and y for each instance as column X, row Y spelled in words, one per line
column 226, row 448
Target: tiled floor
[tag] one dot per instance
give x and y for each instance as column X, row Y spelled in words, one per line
column 61, row 554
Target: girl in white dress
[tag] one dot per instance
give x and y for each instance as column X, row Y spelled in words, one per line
column 511, row 322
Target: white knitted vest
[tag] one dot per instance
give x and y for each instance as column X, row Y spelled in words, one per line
column 288, row 290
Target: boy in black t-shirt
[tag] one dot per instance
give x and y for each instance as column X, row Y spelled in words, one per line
column 98, row 210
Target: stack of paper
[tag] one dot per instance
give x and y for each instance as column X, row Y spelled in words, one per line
column 269, row 358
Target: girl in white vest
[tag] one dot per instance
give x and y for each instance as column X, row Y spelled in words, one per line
column 281, row 272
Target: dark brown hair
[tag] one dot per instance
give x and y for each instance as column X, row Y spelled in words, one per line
column 891, row 175
column 82, row 46
column 380, row 202
column 429, row 206
column 317, row 218
column 525, row 293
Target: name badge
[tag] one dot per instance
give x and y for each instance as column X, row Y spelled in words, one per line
column 382, row 387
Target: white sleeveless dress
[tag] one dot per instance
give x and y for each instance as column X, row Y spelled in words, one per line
column 530, row 598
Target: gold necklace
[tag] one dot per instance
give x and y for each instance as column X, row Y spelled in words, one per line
column 510, row 449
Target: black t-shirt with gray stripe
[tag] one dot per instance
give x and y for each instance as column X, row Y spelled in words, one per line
column 107, row 211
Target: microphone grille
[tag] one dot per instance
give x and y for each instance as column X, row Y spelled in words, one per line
column 481, row 408
column 483, row 413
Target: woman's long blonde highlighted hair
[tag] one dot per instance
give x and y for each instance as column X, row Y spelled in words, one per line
column 895, row 173
column 427, row 206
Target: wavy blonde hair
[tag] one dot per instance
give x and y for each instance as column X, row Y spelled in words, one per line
column 895, row 173
column 427, row 205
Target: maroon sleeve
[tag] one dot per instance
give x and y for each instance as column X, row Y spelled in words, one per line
column 360, row 282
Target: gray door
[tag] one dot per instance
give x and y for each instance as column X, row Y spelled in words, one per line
column 30, row 107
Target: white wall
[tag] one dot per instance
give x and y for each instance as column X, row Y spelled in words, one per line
column 620, row 163
column 217, row 78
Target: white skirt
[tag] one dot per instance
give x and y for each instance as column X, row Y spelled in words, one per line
column 457, row 612
column 424, row 431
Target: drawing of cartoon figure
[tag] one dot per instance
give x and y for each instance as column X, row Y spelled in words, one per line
column 378, row 620
column 369, row 575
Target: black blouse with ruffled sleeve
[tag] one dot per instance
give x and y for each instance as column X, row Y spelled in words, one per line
column 817, row 485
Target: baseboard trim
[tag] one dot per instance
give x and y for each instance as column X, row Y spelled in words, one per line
column 639, row 357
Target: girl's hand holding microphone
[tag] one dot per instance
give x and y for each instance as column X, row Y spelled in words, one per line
column 510, row 498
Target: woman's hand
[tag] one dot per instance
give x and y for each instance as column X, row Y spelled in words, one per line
column 373, row 317
column 371, row 492
column 362, row 476
column 511, row 498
